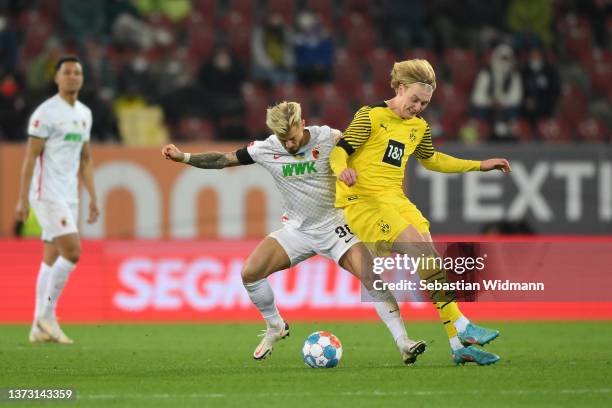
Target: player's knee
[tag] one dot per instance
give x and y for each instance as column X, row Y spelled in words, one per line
column 252, row 272
column 72, row 253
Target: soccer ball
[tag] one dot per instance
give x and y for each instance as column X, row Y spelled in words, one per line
column 322, row 350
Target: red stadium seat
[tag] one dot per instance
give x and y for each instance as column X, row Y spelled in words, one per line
column 324, row 94
column 292, row 93
column 207, row 7
column 380, row 60
column 244, row 7
column 336, row 114
column 323, row 7
column 447, row 94
column 347, row 80
column 366, row 95
column 463, row 67
column 361, row 42
column 202, row 39
column 256, row 115
column 234, row 21
column 521, row 130
column 423, row 53
column 573, row 106
column 553, row 130
column 196, row 129
column 284, row 8
column 35, row 39
column 289, row 92
column 601, row 71
column 196, row 18
column 240, row 44
column 357, row 5
column 576, row 35
column 594, row 130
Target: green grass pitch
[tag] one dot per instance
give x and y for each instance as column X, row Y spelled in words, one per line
column 181, row 365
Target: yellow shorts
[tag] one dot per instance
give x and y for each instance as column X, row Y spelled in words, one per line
column 378, row 220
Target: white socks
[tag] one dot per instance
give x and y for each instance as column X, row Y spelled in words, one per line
column 262, row 297
column 461, row 324
column 59, row 275
column 42, row 282
column 389, row 312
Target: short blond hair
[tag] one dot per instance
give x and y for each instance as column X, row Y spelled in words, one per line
column 281, row 117
column 413, row 71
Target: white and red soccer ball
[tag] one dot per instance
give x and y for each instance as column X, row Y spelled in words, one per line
column 322, row 350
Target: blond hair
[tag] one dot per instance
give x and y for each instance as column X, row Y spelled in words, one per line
column 413, row 71
column 281, row 117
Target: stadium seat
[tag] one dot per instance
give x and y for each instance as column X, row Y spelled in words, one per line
column 594, row 130
column 521, row 130
column 256, row 116
column 366, row 95
column 234, row 21
column 380, row 61
column 423, row 53
column 347, row 80
column 289, row 92
column 244, row 7
column 324, row 94
column 600, row 68
column 322, row 7
column 576, row 35
column 202, row 39
column 240, row 44
column 292, row 93
column 207, row 7
column 463, row 67
column 196, row 130
column 572, row 107
column 553, row 130
column 336, row 114
column 284, row 8
column 357, row 6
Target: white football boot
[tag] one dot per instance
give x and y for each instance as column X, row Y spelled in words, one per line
column 53, row 330
column 270, row 336
column 37, row 335
column 410, row 349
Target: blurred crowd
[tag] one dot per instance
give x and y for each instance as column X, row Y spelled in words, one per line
column 194, row 70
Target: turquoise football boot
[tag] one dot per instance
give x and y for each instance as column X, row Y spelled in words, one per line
column 477, row 335
column 471, row 354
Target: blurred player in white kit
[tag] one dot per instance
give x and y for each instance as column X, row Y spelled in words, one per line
column 297, row 158
column 57, row 151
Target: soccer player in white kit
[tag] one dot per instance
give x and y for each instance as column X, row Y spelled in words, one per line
column 297, row 158
column 57, row 151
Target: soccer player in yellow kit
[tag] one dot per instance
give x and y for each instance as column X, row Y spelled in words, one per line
column 370, row 162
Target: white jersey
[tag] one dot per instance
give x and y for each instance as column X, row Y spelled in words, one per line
column 65, row 128
column 305, row 179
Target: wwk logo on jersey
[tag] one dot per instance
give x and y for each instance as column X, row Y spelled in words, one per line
column 299, row 169
column 73, row 137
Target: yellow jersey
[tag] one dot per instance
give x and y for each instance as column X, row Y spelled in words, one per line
column 378, row 144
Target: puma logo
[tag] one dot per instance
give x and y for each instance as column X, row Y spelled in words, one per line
column 384, row 127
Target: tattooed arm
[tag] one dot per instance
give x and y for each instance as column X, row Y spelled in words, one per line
column 207, row 160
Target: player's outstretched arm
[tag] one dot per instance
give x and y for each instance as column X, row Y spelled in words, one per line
column 495, row 164
column 206, row 160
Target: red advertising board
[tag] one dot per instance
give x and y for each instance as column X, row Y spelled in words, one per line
column 123, row 281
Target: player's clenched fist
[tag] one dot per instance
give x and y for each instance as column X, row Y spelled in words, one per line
column 348, row 176
column 171, row 152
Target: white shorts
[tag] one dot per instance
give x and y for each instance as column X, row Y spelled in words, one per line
column 56, row 219
column 331, row 242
